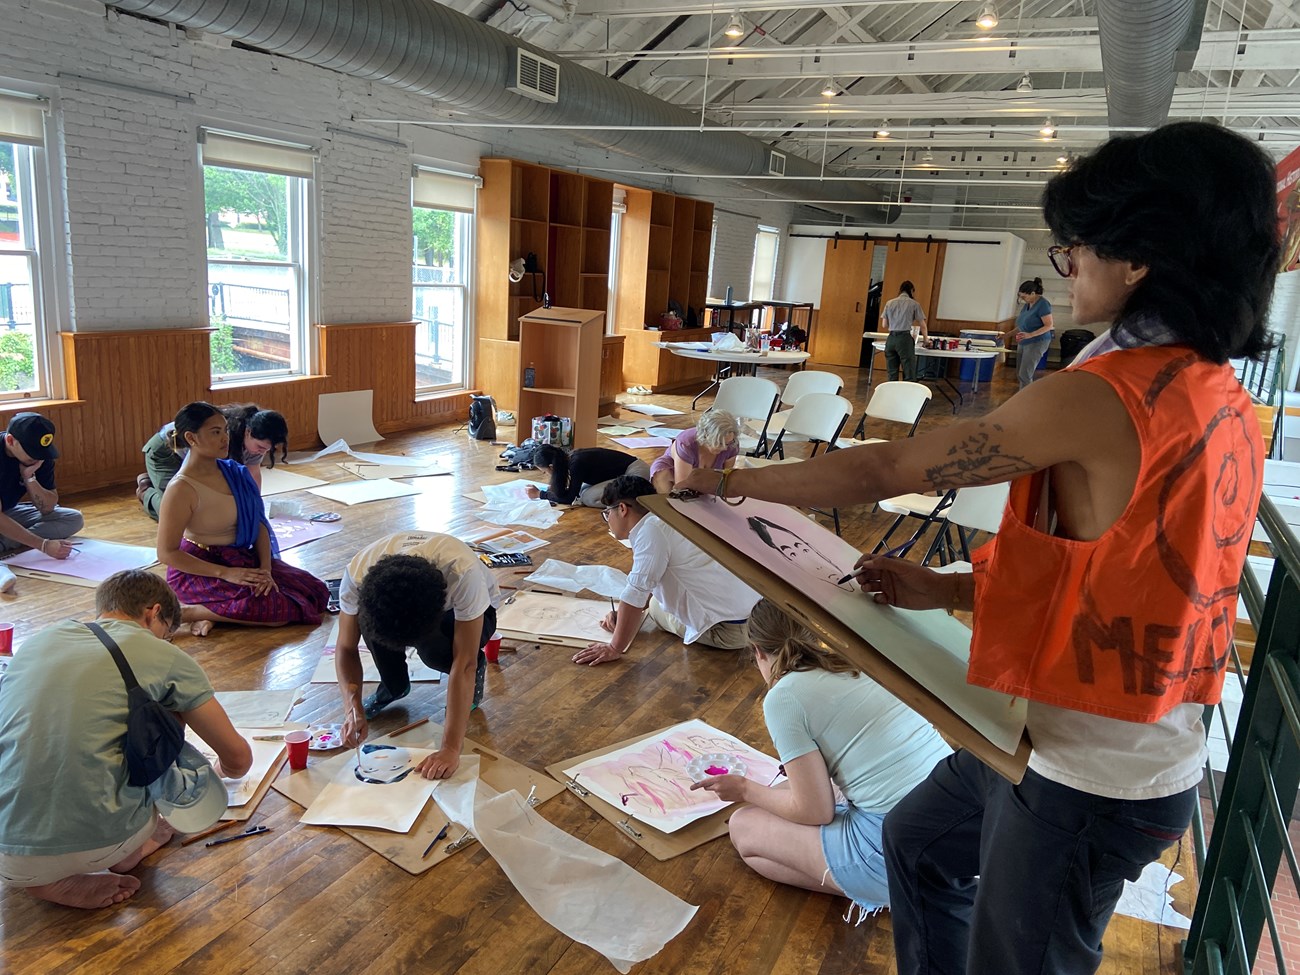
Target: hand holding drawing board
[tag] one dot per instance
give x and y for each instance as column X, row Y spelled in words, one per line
column 920, row 657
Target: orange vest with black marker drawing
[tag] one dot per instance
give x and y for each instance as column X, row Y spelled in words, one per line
column 1139, row 620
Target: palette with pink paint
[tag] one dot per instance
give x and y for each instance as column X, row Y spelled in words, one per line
column 702, row 767
column 325, row 737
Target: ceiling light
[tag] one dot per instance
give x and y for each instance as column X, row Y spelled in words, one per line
column 735, row 27
column 988, row 18
column 1048, row 130
column 1062, row 160
column 829, row 90
column 1025, row 84
column 883, row 131
column 928, row 157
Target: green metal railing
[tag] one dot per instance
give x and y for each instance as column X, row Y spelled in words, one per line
column 1251, row 812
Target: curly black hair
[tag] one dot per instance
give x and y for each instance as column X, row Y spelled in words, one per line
column 401, row 600
column 1196, row 204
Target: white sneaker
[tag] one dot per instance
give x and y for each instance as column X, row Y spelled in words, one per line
column 7, row 579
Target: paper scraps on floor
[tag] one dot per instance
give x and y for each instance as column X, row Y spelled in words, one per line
column 90, row 563
column 360, row 492
column 292, row 532
column 603, row 579
column 528, row 514
column 582, row 892
column 347, row 416
column 1148, row 898
column 341, row 447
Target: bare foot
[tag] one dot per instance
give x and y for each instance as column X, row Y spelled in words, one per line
column 201, row 627
column 88, row 890
column 160, row 837
column 142, row 484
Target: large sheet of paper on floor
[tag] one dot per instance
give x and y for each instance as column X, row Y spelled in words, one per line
column 407, row 850
column 347, row 416
column 292, row 532
column 371, row 472
column 259, row 709
column 243, row 794
column 324, row 674
column 276, row 480
column 361, row 492
column 548, row 618
column 920, row 657
column 90, row 563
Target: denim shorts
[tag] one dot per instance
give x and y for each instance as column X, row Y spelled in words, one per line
column 854, row 852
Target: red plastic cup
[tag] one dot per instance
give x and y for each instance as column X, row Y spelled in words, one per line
column 492, row 649
column 7, row 639
column 296, row 742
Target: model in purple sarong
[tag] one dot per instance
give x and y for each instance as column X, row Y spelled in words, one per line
column 215, row 541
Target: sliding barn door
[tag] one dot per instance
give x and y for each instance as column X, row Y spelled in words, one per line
column 914, row 261
column 837, row 339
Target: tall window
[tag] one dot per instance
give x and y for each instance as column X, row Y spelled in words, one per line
column 257, row 208
column 23, row 344
column 442, row 225
column 762, row 276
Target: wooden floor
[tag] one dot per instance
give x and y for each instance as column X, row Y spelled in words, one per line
column 312, row 900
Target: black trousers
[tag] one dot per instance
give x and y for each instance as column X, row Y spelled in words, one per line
column 390, row 660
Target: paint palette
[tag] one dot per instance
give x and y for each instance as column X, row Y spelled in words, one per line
column 702, row 767
column 325, row 737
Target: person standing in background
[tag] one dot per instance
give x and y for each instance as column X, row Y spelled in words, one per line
column 1033, row 330
column 898, row 316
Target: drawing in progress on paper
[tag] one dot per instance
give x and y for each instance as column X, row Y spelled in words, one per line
column 240, row 791
column 649, row 778
column 382, row 791
column 542, row 614
column 930, row 645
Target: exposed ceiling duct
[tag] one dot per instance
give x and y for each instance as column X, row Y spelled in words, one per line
column 427, row 48
column 1144, row 44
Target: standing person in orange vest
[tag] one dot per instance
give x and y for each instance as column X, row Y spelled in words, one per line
column 1109, row 595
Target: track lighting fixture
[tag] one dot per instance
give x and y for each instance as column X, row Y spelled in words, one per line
column 988, row 18
column 830, row 90
column 1048, row 130
column 1025, row 85
column 883, row 131
column 735, row 27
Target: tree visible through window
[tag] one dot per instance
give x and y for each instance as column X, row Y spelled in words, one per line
column 439, row 279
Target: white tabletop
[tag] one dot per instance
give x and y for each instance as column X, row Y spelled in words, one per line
column 958, row 353
column 770, row 358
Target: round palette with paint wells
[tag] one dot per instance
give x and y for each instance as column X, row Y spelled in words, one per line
column 702, row 767
column 325, row 737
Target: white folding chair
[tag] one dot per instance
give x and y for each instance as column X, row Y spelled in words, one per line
column 898, row 402
column 749, row 398
column 817, row 418
column 799, row 385
column 980, row 510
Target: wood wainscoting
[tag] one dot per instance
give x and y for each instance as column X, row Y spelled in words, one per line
column 122, row 386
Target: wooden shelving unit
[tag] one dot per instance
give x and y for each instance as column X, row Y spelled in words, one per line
column 563, row 347
column 663, row 257
column 561, row 217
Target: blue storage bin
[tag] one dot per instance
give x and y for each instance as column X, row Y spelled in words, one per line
column 968, row 365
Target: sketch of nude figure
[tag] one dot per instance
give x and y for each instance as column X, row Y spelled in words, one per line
column 791, row 547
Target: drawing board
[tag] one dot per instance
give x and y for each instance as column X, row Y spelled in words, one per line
column 360, row 492
column 517, row 542
column 550, row 618
column 920, row 657
column 276, row 480
column 244, row 793
column 259, row 709
column 90, row 563
column 406, row 850
column 347, row 416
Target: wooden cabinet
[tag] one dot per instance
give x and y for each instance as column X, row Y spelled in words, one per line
column 561, row 218
column 644, row 364
column 562, row 347
column 837, row 339
column 611, row 370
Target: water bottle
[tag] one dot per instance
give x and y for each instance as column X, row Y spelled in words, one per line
column 728, row 294
column 530, row 377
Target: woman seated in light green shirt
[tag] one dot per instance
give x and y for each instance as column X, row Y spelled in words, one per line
column 834, row 728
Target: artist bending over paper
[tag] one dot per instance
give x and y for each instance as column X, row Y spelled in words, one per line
column 423, row 590
column 684, row 591
column 71, row 827
column 1109, row 595
column 214, row 538
column 832, row 726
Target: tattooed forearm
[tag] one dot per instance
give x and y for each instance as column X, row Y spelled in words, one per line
column 977, row 460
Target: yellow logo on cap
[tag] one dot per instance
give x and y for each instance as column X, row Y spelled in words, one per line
column 47, row 440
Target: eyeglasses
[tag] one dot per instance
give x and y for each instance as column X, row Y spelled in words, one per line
column 605, row 512
column 1062, row 262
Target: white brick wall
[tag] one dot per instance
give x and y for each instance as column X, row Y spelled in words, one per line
column 733, row 253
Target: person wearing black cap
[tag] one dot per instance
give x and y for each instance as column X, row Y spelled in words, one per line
column 29, row 503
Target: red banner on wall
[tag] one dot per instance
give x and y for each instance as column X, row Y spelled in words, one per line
column 1288, row 210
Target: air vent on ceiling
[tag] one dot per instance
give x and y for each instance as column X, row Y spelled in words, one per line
column 535, row 77
column 775, row 163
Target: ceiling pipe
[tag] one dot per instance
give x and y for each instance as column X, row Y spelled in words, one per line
column 1144, row 44
column 429, row 49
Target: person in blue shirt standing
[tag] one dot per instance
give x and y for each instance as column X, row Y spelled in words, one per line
column 1033, row 330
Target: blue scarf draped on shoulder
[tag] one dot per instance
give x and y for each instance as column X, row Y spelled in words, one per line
column 250, row 515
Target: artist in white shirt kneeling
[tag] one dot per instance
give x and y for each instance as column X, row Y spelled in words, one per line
column 684, row 590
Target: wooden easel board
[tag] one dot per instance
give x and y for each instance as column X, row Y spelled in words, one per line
column 660, row 845
column 841, row 638
column 522, row 619
column 407, row 849
column 240, row 814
